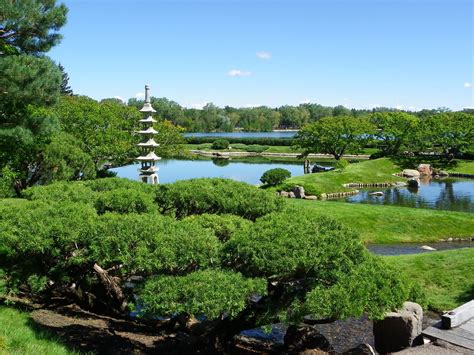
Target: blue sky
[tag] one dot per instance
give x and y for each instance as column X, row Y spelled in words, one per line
column 410, row 54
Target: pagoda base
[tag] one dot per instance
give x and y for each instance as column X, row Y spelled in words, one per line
column 149, row 179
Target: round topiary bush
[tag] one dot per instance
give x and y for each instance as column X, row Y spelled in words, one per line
column 341, row 164
column 275, row 176
column 220, row 144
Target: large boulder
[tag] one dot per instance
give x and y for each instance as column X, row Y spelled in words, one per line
column 399, row 330
column 305, row 339
column 411, row 173
column 298, row 191
column 425, row 169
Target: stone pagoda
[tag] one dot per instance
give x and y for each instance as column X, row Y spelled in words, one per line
column 148, row 158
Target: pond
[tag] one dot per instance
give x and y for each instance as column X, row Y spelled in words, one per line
column 274, row 134
column 441, row 194
column 247, row 171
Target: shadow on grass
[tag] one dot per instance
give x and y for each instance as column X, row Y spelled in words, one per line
column 467, row 295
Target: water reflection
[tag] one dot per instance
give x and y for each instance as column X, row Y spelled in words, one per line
column 445, row 194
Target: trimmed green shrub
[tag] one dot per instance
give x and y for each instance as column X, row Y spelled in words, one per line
column 256, row 148
column 209, row 292
column 341, row 164
column 224, row 226
column 61, row 192
column 124, row 201
column 151, row 243
column 198, row 196
column 323, row 258
column 220, row 144
column 115, row 183
column 275, row 176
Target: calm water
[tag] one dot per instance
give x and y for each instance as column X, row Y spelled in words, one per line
column 285, row 134
column 442, row 194
column 174, row 169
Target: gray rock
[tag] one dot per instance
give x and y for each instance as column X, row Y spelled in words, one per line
column 291, row 194
column 298, row 191
column 399, row 330
column 413, row 182
column 377, row 193
column 410, row 173
column 310, row 197
column 284, row 194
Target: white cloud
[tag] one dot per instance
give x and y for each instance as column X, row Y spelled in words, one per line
column 305, row 101
column 399, row 107
column 120, row 98
column 251, row 105
column 238, row 72
column 140, row 95
column 411, row 108
column 264, row 55
column 346, row 99
column 467, row 85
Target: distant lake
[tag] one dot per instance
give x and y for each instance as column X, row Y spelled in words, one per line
column 284, row 134
column 172, row 170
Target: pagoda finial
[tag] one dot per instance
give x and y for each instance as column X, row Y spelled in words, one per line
column 147, row 94
column 147, row 104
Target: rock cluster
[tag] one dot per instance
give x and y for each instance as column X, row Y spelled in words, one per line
column 297, row 192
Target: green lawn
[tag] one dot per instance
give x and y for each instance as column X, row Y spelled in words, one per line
column 463, row 166
column 370, row 171
column 18, row 336
column 446, row 276
column 393, row 224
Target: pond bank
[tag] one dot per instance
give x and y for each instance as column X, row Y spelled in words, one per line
column 224, row 155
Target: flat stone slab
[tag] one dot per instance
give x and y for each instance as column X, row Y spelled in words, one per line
column 462, row 335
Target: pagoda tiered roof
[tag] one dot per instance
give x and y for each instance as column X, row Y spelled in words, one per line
column 149, row 130
column 149, row 119
column 149, row 143
column 149, row 157
column 147, row 107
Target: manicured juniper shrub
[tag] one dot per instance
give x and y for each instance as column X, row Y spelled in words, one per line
column 114, row 183
column 61, row 191
column 275, row 176
column 220, row 144
column 197, row 196
column 318, row 256
column 211, row 293
column 224, row 226
column 125, row 201
column 44, row 238
column 152, row 243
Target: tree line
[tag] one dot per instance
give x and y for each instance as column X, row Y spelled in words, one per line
column 212, row 118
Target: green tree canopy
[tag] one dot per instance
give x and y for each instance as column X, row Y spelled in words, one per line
column 30, row 26
column 335, row 135
column 395, row 131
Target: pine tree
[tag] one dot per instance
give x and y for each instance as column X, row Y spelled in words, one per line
column 65, row 88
